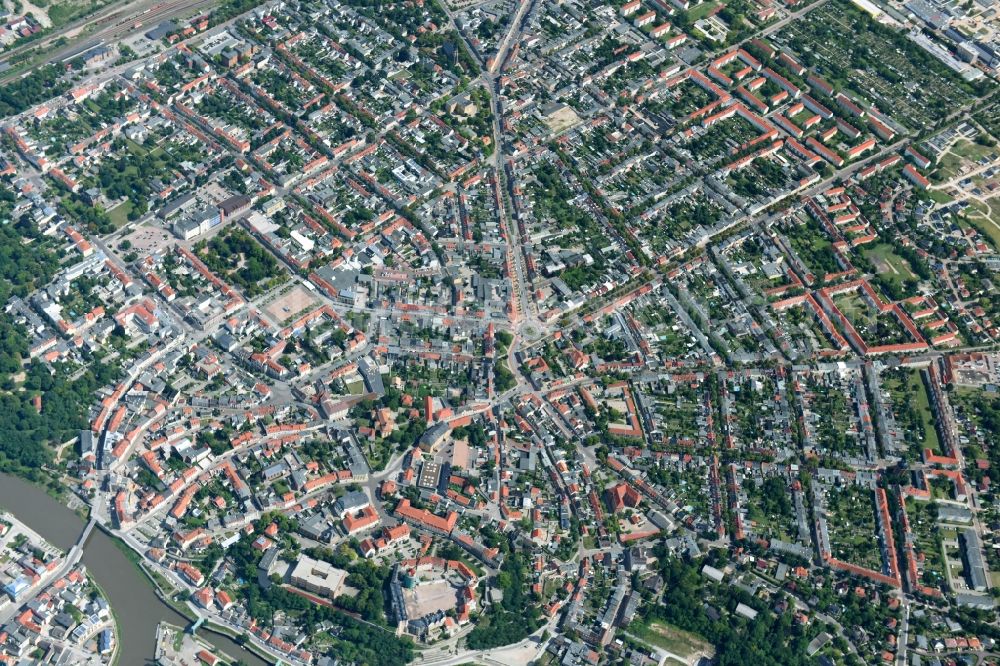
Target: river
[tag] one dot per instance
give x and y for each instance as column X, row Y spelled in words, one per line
column 137, row 608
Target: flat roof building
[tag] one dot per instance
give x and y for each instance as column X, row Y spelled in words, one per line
column 318, row 577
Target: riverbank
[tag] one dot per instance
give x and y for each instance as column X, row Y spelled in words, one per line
column 174, row 646
column 117, row 653
column 131, row 593
column 166, row 597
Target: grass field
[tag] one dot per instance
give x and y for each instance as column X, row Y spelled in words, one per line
column 856, row 309
column 940, row 196
column 986, row 218
column 670, row 638
column 699, row 12
column 119, row 214
column 919, row 401
column 972, row 151
column 889, row 263
column 924, row 407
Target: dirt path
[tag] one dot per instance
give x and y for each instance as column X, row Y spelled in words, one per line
column 41, row 15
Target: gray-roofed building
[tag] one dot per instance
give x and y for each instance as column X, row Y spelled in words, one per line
column 712, row 573
column 161, row 31
column 87, row 443
column 315, row 527
column 972, row 555
column 433, row 436
column 981, row 601
column 350, row 503
column 275, row 471
column 953, row 513
column 373, row 378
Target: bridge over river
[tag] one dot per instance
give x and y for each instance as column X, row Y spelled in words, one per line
column 137, row 609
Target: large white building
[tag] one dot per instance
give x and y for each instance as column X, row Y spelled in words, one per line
column 318, row 577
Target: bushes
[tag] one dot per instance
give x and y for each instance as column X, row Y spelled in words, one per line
column 504, row 378
column 41, row 84
column 24, row 430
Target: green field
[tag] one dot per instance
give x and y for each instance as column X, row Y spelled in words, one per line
column 119, row 214
column 699, row 12
column 888, row 263
column 985, row 217
column 670, row 638
column 964, row 153
column 856, row 309
column 940, row 196
column 924, row 407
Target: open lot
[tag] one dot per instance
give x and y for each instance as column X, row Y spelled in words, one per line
column 288, row 305
column 963, row 157
column 681, row 643
column 985, row 217
column 145, row 240
column 428, row 598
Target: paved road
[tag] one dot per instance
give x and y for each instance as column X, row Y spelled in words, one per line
column 903, row 635
column 70, row 561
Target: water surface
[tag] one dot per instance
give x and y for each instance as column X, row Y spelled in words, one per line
column 137, row 608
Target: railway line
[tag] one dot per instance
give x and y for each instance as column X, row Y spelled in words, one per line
column 112, row 24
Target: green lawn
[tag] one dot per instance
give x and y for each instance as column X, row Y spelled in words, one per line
column 963, row 153
column 914, row 386
column 699, row 12
column 855, row 308
column 972, row 151
column 924, row 406
column 136, row 149
column 940, row 196
column 888, row 263
column 119, row 214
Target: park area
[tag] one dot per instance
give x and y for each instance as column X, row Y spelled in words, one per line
column 889, row 264
column 238, row 259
